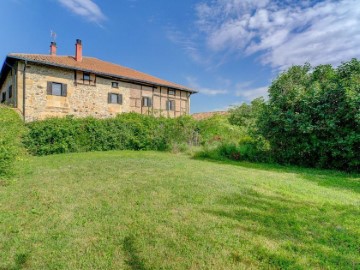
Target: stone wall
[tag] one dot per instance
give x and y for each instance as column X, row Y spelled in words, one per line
column 90, row 98
column 9, row 82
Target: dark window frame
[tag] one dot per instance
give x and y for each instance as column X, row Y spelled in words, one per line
column 10, row 91
column 63, row 90
column 114, row 84
column 172, row 92
column 147, row 103
column 3, row 97
column 88, row 75
column 170, row 105
column 119, row 98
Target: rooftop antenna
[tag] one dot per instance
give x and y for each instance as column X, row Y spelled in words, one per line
column 53, row 36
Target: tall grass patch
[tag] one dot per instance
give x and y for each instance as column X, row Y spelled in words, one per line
column 217, row 129
column 11, row 130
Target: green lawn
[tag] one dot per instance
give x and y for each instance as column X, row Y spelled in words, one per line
column 148, row 210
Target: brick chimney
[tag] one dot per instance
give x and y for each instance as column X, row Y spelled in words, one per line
column 53, row 48
column 78, row 50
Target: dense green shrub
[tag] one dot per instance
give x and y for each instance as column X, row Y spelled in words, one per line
column 11, row 130
column 183, row 130
column 217, row 129
column 248, row 149
column 245, row 116
column 313, row 116
column 126, row 131
column 56, row 135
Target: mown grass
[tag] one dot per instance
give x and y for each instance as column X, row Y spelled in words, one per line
column 147, row 210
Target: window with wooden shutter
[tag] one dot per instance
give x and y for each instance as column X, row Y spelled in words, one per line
column 146, row 102
column 170, row 105
column 49, row 88
column 114, row 98
column 85, row 78
column 119, row 99
column 64, row 90
column 56, row 89
column 3, row 97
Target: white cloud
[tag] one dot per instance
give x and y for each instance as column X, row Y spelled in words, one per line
column 193, row 83
column 187, row 44
column 248, row 94
column 194, row 48
column 227, row 107
column 85, row 8
column 282, row 33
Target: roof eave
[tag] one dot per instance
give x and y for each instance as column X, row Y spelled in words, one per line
column 4, row 71
column 192, row 91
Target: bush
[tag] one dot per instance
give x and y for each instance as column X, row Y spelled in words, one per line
column 248, row 149
column 11, row 130
column 313, row 116
column 217, row 129
column 126, row 131
column 245, row 116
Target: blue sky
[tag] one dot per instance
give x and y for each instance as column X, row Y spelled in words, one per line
column 228, row 50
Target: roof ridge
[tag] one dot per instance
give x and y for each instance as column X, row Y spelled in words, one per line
column 99, row 66
column 129, row 68
column 39, row 54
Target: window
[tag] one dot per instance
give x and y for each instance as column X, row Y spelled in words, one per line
column 3, row 97
column 10, row 91
column 115, row 85
column 170, row 105
column 172, row 92
column 57, row 89
column 114, row 98
column 86, row 76
column 146, row 102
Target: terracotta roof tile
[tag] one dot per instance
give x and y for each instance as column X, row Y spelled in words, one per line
column 98, row 67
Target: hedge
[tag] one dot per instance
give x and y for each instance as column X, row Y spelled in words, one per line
column 128, row 131
column 11, row 130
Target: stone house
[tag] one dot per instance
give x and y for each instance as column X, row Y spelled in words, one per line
column 42, row 86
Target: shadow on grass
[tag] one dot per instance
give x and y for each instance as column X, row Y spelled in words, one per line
column 306, row 234
column 326, row 178
column 20, row 262
column 133, row 261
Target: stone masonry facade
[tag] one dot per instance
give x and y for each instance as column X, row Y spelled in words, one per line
column 85, row 98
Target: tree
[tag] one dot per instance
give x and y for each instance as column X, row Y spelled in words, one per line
column 313, row 116
column 246, row 115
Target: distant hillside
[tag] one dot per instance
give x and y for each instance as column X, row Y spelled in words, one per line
column 205, row 115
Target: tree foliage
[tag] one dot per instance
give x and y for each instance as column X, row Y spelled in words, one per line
column 250, row 146
column 313, row 116
column 246, row 115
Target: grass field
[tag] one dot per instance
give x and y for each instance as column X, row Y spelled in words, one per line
column 147, row 210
